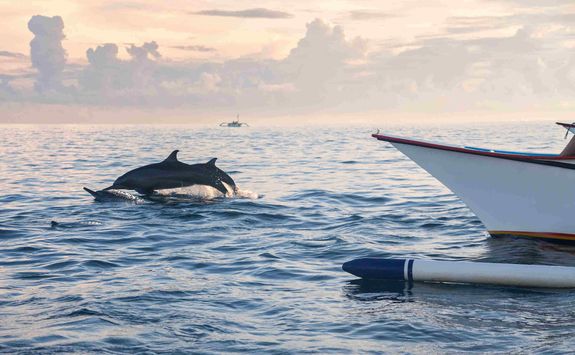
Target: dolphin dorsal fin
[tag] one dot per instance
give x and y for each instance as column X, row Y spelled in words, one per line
column 172, row 157
column 212, row 162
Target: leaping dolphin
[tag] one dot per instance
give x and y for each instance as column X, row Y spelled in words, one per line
column 113, row 196
column 170, row 174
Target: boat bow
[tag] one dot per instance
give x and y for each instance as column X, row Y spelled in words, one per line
column 511, row 192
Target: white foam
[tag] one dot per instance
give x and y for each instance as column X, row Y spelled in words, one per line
column 126, row 195
column 247, row 194
column 239, row 193
column 204, row 192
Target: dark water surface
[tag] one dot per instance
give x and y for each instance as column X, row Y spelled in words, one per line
column 260, row 273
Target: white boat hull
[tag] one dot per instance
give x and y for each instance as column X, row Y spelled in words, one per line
column 515, row 197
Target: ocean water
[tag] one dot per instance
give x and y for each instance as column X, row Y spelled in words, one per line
column 260, row 272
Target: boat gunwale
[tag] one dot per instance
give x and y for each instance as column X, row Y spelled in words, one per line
column 555, row 161
column 552, row 236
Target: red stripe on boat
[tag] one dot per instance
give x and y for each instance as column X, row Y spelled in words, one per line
column 392, row 139
column 543, row 235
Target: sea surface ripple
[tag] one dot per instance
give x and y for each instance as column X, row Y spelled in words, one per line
column 260, row 272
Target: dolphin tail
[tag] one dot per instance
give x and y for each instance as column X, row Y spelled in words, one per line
column 91, row 192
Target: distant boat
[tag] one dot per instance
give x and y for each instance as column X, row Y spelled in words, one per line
column 512, row 193
column 235, row 123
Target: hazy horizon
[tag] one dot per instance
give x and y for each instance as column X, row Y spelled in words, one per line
column 203, row 62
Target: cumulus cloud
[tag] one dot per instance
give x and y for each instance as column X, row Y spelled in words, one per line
column 6, row 90
column 209, row 82
column 108, row 79
column 513, row 71
column 104, row 72
column 144, row 52
column 312, row 71
column 248, row 13
column 320, row 62
column 46, row 51
column 104, row 55
column 328, row 70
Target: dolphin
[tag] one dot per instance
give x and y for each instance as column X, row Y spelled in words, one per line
column 172, row 173
column 112, row 196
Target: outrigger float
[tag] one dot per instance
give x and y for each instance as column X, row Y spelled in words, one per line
column 467, row 272
column 512, row 193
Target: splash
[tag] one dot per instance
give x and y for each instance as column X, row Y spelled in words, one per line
column 124, row 195
column 203, row 192
column 247, row 194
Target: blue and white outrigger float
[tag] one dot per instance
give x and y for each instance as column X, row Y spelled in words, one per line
column 411, row 270
column 512, row 193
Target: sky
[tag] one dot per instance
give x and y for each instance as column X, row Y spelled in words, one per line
column 191, row 61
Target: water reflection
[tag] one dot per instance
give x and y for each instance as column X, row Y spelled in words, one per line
column 377, row 290
column 256, row 274
column 521, row 250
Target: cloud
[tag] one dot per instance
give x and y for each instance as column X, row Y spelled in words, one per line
column 520, row 70
column 311, row 72
column 327, row 70
column 369, row 15
column 12, row 55
column 143, row 52
column 248, row 13
column 195, row 48
column 567, row 18
column 123, row 5
column 320, row 61
column 552, row 16
column 6, row 90
column 46, row 51
column 537, row 3
column 105, row 71
column 108, row 79
column 209, row 82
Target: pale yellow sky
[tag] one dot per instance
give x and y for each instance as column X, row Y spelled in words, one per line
column 174, row 23
column 277, row 58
